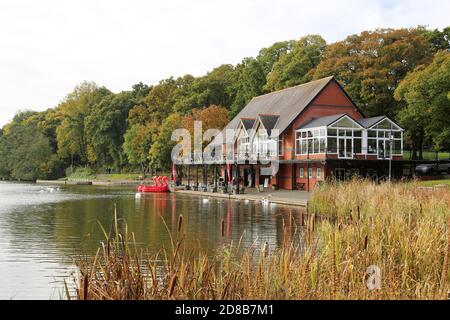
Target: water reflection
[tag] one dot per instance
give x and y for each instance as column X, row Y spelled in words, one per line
column 41, row 231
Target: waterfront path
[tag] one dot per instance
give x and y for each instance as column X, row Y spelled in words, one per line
column 286, row 197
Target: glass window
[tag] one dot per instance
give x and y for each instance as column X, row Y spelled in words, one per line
column 357, row 146
column 322, row 145
column 397, row 148
column 310, row 172
column 357, row 133
column 280, row 147
column 298, row 149
column 322, row 132
column 345, row 123
column 372, row 146
column 319, row 173
column 385, row 124
column 304, row 146
column 302, row 173
column 316, row 145
column 372, row 134
column 341, row 132
column 332, row 132
column 332, row 145
column 309, row 146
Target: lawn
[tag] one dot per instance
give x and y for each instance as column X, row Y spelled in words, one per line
column 433, row 183
column 428, row 155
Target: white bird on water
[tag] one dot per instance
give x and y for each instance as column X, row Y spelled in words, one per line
column 205, row 200
column 138, row 195
column 265, row 201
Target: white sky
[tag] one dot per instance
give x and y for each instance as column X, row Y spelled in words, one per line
column 48, row 47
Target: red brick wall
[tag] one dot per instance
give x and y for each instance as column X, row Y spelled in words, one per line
column 332, row 100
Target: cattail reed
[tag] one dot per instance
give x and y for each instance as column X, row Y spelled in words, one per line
column 223, row 228
column 180, row 222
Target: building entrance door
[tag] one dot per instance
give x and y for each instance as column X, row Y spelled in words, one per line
column 384, row 149
column 345, row 147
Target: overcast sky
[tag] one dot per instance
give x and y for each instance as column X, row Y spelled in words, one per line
column 47, row 47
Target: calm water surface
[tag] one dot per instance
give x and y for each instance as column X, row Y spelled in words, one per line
column 42, row 228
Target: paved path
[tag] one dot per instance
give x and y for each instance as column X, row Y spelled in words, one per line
column 294, row 198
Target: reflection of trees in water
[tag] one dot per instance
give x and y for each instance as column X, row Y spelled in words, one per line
column 76, row 224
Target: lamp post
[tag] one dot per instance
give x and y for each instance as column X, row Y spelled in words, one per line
column 391, row 140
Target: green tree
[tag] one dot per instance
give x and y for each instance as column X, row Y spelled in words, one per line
column 294, row 66
column 251, row 80
column 426, row 93
column 161, row 149
column 438, row 40
column 137, row 143
column 105, row 126
column 70, row 134
column 25, row 152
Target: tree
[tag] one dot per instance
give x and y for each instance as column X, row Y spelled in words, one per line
column 216, row 87
column 426, row 93
column 371, row 65
column 160, row 151
column 105, row 127
column 438, row 40
column 137, row 143
column 25, row 152
column 250, row 83
column 70, row 134
column 294, row 66
column 213, row 117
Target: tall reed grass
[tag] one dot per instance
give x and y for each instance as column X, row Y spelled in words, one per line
column 401, row 230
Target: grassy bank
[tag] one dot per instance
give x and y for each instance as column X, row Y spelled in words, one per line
column 401, row 230
column 434, row 183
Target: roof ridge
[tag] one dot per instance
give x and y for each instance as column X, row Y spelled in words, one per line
column 294, row 87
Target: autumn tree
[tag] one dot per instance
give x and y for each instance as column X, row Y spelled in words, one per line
column 371, row 65
column 425, row 91
column 213, row 117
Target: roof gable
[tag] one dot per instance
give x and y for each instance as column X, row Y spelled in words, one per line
column 288, row 103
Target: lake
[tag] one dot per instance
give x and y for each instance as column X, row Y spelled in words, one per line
column 42, row 228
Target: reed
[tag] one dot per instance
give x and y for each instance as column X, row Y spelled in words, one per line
column 402, row 230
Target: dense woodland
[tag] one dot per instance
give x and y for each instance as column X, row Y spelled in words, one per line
column 402, row 73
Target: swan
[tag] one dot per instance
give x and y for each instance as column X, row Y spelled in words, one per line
column 265, row 201
column 138, row 195
column 205, row 200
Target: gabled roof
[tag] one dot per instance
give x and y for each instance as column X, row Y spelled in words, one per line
column 369, row 122
column 269, row 122
column 248, row 123
column 322, row 122
column 288, row 102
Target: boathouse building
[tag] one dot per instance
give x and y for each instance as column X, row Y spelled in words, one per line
column 315, row 131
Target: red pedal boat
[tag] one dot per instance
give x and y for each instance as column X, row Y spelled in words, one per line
column 160, row 184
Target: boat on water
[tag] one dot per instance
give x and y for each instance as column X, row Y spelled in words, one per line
column 160, row 184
